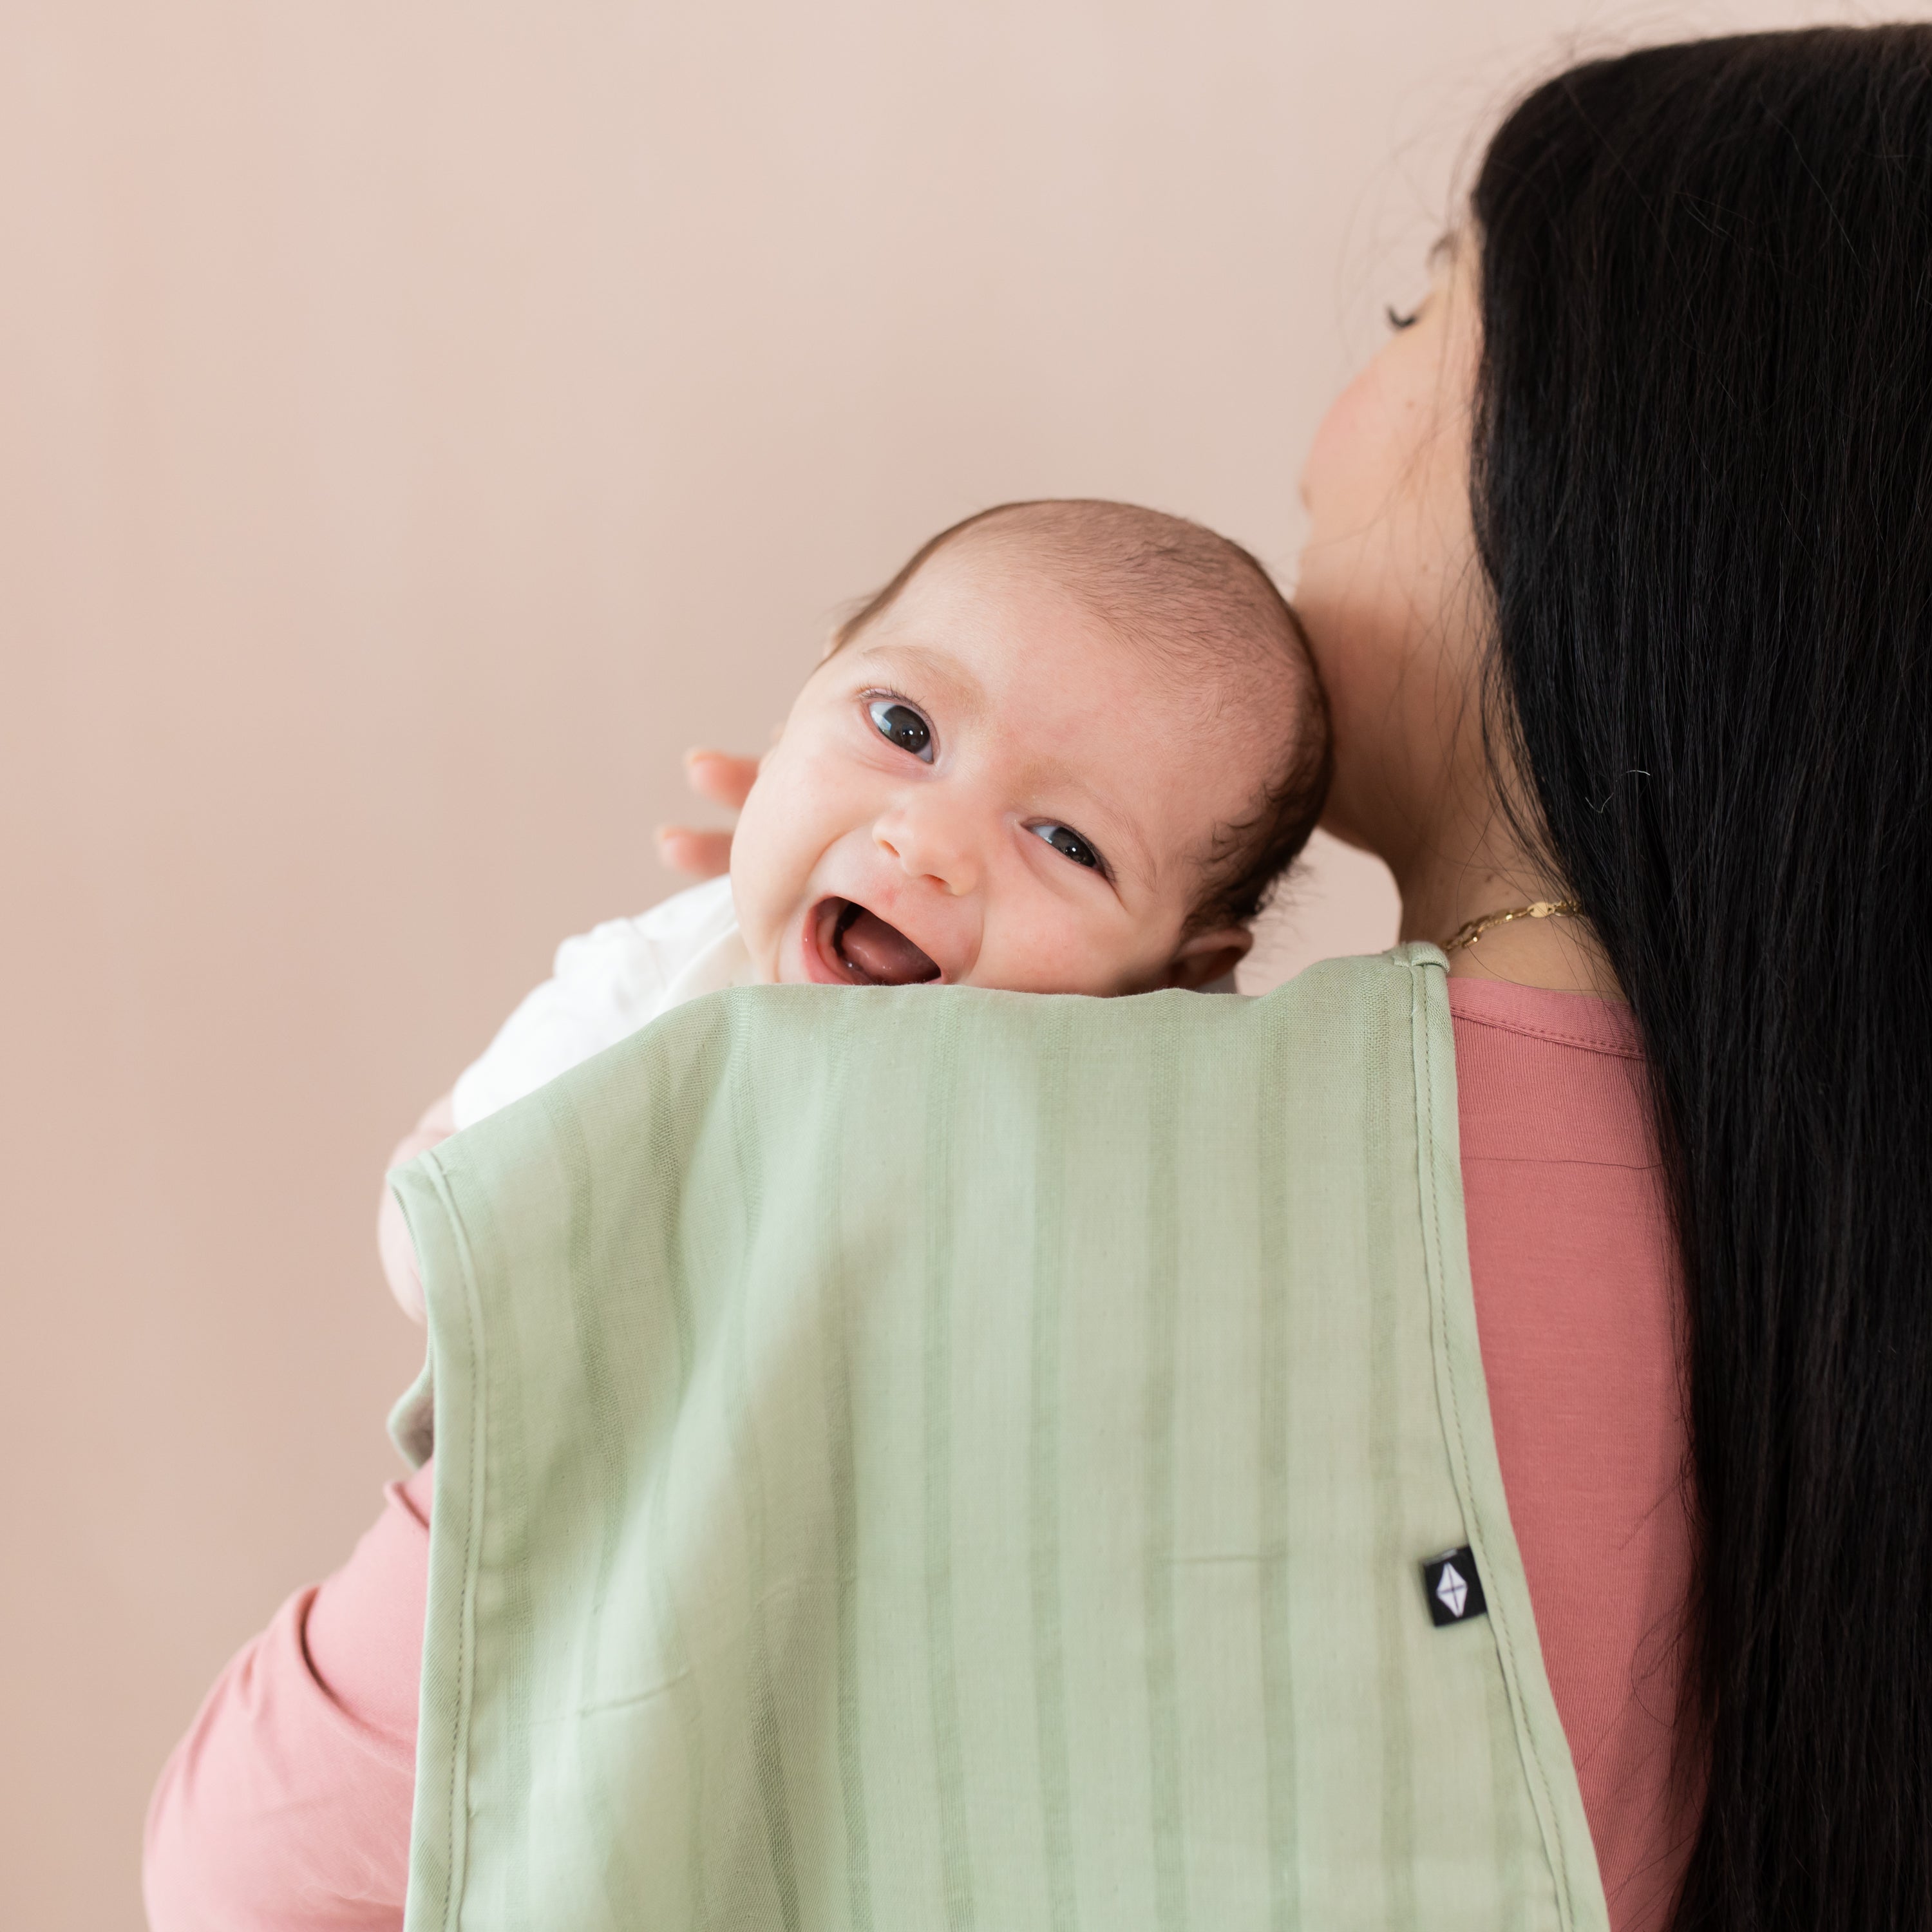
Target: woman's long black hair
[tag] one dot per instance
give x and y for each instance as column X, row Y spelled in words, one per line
column 1703, row 487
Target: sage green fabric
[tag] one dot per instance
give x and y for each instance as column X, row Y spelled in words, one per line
column 940, row 1458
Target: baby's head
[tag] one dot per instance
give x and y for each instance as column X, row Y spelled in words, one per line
column 1067, row 749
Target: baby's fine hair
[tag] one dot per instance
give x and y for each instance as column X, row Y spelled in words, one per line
column 1193, row 600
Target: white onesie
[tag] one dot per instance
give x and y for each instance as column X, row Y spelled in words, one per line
column 605, row 984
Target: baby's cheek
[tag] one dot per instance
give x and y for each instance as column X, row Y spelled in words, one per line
column 784, row 831
column 1056, row 954
column 763, row 887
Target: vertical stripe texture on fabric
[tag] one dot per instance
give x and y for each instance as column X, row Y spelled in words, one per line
column 933, row 1458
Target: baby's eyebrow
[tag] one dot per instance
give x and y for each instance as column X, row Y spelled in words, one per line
column 1118, row 827
column 941, row 666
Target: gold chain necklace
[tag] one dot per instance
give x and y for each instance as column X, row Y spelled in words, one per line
column 1468, row 935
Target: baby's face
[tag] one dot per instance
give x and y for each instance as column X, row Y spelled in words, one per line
column 988, row 787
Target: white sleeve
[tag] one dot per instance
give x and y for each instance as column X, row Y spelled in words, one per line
column 606, row 983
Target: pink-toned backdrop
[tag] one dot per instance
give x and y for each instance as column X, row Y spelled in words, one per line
column 418, row 423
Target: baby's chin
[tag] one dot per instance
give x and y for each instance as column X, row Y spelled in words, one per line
column 767, row 959
column 780, row 945
column 760, row 926
column 776, row 951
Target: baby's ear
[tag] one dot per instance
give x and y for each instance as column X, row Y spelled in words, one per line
column 1209, row 956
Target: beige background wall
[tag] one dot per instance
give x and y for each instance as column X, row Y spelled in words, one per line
column 417, row 423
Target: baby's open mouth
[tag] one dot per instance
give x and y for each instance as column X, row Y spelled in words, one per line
column 863, row 949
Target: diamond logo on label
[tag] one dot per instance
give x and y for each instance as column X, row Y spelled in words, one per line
column 1452, row 1587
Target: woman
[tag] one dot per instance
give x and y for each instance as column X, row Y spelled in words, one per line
column 1620, row 575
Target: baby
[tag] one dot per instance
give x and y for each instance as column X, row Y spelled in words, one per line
column 1069, row 748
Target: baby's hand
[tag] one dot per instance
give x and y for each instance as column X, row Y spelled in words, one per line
column 392, row 1231
column 724, row 779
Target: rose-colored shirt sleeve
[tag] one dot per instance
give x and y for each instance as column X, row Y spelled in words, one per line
column 286, row 1806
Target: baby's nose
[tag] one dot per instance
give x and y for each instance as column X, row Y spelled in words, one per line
column 928, row 847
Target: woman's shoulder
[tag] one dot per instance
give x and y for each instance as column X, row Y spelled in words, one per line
column 1581, row 1020
column 1544, row 1077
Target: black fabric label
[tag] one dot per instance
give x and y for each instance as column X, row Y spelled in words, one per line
column 1453, row 1590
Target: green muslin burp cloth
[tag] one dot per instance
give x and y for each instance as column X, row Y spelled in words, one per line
column 942, row 1459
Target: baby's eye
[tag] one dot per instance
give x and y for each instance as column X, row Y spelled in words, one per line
column 1069, row 843
column 902, row 726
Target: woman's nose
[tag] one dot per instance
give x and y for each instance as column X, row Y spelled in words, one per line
column 930, row 845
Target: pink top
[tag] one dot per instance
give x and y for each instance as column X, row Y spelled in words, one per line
column 287, row 1804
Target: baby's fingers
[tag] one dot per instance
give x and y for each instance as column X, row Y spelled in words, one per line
column 720, row 776
column 703, row 855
